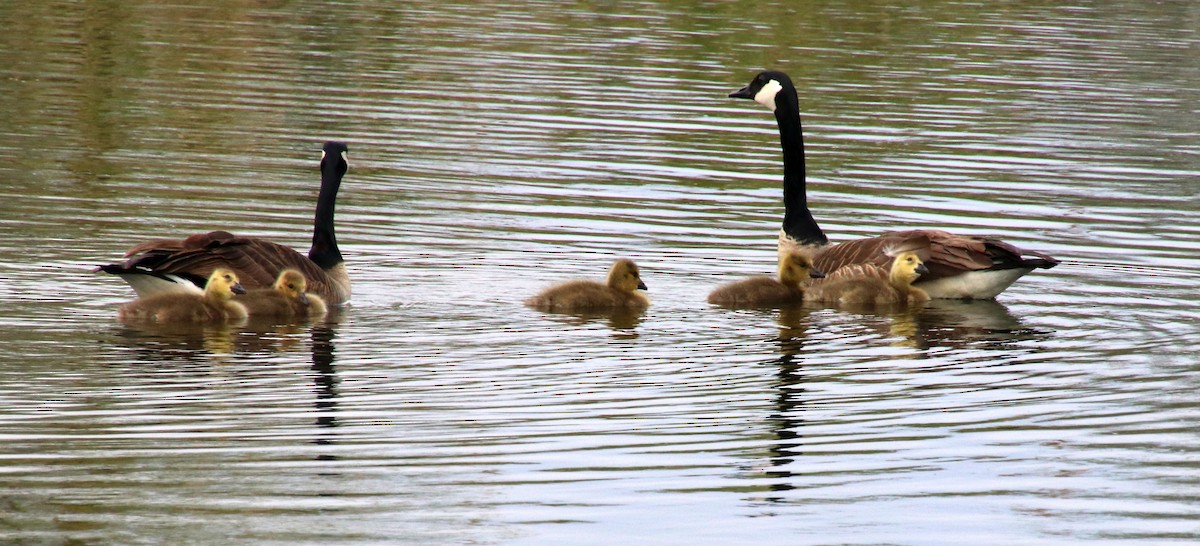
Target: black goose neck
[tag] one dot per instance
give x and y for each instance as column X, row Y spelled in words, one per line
column 324, row 251
column 798, row 222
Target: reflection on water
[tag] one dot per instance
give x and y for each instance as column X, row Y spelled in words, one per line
column 620, row 319
column 498, row 147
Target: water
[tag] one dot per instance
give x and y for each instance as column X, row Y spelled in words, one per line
column 497, row 148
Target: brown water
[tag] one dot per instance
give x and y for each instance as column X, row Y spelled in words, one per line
column 498, row 147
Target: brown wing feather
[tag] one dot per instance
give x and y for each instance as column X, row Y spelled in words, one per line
column 946, row 254
column 854, row 271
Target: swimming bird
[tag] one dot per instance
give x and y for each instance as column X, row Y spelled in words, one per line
column 287, row 299
column 183, row 265
column 960, row 267
column 865, row 283
column 213, row 306
column 619, row 291
column 795, row 269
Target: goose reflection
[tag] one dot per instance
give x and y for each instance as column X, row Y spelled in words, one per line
column 325, row 379
column 976, row 325
column 160, row 345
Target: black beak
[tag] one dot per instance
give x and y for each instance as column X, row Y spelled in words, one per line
column 304, row 298
column 642, row 285
column 743, row 93
column 816, row 274
column 237, row 288
column 922, row 270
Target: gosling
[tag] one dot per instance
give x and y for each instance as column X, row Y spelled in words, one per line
column 867, row 284
column 288, row 298
column 214, row 306
column 795, row 268
column 619, row 292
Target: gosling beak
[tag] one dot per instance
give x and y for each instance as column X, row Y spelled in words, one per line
column 921, row 269
column 304, row 298
column 816, row 274
column 237, row 288
column 743, row 93
column 642, row 285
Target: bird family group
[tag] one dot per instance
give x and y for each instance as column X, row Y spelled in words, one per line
column 219, row 277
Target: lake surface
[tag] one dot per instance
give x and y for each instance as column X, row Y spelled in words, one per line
column 498, row 147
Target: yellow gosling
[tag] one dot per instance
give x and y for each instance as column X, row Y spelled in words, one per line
column 288, row 298
column 871, row 284
column 214, row 306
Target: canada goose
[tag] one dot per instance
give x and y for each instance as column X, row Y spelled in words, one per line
column 620, row 290
column 286, row 299
column 214, row 306
column 795, row 268
column 964, row 267
column 870, row 284
column 173, row 265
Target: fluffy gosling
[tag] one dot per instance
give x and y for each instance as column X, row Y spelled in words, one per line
column 795, row 269
column 214, row 306
column 871, row 284
column 620, row 291
column 288, row 298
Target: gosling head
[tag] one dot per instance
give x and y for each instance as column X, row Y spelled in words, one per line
column 907, row 267
column 796, row 268
column 223, row 284
column 292, row 285
column 765, row 89
column 624, row 276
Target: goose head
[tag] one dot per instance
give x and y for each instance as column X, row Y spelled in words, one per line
column 223, row 284
column 292, row 285
column 796, row 268
column 338, row 162
column 624, row 276
column 907, row 267
column 765, row 89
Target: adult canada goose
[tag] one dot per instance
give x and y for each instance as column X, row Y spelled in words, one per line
column 288, row 298
column 966, row 267
column 173, row 265
column 870, row 284
column 795, row 268
column 619, row 291
column 213, row 306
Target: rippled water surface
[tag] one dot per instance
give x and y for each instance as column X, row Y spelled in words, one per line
column 499, row 147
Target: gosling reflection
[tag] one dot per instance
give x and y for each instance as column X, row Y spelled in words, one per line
column 158, row 341
column 621, row 319
column 167, row 342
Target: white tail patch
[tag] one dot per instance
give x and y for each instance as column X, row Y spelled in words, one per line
column 149, row 285
column 978, row 285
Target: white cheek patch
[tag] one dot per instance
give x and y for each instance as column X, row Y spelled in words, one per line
column 766, row 95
